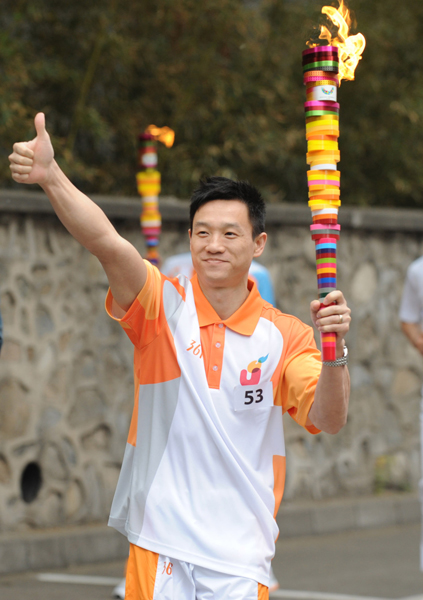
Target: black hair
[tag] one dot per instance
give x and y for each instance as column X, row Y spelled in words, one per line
column 221, row 188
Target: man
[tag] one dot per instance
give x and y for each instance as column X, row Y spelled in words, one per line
column 411, row 317
column 215, row 366
column 181, row 264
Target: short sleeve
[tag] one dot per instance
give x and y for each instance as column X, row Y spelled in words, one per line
column 300, row 374
column 142, row 321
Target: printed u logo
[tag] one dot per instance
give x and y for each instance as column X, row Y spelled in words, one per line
column 247, row 378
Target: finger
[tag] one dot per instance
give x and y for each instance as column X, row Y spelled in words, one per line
column 20, row 178
column 335, row 296
column 338, row 323
column 17, row 159
column 334, row 309
column 340, row 330
column 335, row 317
column 333, row 302
column 21, row 169
column 22, row 149
column 314, row 306
column 40, row 126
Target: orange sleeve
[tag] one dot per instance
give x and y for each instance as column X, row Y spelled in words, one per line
column 142, row 322
column 300, row 372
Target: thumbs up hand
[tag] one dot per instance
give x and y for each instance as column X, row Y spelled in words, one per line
column 31, row 161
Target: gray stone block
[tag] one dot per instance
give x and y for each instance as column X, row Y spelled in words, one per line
column 13, row 555
column 45, row 551
column 293, row 522
column 333, row 517
column 95, row 544
column 34, row 550
column 318, row 518
column 408, row 510
column 374, row 513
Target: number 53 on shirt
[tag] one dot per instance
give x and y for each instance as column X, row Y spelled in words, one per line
column 253, row 397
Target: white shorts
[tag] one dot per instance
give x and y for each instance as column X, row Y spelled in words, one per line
column 151, row 576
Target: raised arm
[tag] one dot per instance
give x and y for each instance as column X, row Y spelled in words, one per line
column 33, row 162
column 330, row 408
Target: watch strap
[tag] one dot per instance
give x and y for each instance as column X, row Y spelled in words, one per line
column 339, row 362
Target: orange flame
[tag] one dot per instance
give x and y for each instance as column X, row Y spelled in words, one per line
column 166, row 135
column 351, row 47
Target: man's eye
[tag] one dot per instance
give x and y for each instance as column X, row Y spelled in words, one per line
column 230, row 234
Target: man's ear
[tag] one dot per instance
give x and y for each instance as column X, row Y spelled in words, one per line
column 259, row 244
column 189, row 233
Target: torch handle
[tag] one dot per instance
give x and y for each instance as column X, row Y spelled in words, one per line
column 328, row 341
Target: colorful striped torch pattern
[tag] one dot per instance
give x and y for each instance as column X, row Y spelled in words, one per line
column 320, row 71
column 149, row 185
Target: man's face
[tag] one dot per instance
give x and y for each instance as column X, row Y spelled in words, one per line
column 222, row 244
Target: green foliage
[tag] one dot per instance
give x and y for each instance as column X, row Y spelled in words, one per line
column 382, row 110
column 226, row 76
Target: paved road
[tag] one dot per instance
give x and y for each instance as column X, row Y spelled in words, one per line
column 379, row 563
column 375, row 562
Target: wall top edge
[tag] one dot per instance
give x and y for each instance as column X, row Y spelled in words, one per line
column 176, row 211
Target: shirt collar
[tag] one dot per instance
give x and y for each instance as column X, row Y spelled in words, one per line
column 243, row 321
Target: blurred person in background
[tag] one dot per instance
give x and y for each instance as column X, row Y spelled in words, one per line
column 411, row 317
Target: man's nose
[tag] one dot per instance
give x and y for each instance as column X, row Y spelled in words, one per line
column 215, row 243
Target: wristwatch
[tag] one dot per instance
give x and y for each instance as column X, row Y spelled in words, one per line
column 339, row 362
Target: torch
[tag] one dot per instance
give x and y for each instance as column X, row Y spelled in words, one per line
column 149, row 186
column 323, row 69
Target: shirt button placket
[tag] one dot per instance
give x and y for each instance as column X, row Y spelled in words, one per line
column 216, row 354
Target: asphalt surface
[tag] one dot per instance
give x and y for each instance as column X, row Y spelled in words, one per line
column 378, row 563
column 382, row 563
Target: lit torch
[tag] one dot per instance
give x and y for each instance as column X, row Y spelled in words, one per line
column 324, row 67
column 149, row 185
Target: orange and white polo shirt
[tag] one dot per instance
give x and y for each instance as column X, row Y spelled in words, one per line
column 204, row 466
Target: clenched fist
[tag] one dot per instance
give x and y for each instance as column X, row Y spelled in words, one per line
column 31, row 162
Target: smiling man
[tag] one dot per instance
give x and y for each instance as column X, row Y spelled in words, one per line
column 224, row 241
column 215, row 368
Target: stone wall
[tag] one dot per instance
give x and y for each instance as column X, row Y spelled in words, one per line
column 66, row 369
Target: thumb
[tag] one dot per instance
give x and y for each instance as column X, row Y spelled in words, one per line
column 315, row 306
column 314, row 309
column 40, row 126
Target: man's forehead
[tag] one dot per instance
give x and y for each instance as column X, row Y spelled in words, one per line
column 221, row 208
column 207, row 223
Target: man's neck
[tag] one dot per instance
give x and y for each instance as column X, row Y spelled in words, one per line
column 225, row 300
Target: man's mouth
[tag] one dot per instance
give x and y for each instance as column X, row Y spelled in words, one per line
column 214, row 261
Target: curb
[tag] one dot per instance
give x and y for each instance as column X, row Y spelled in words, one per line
column 58, row 548
column 336, row 516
